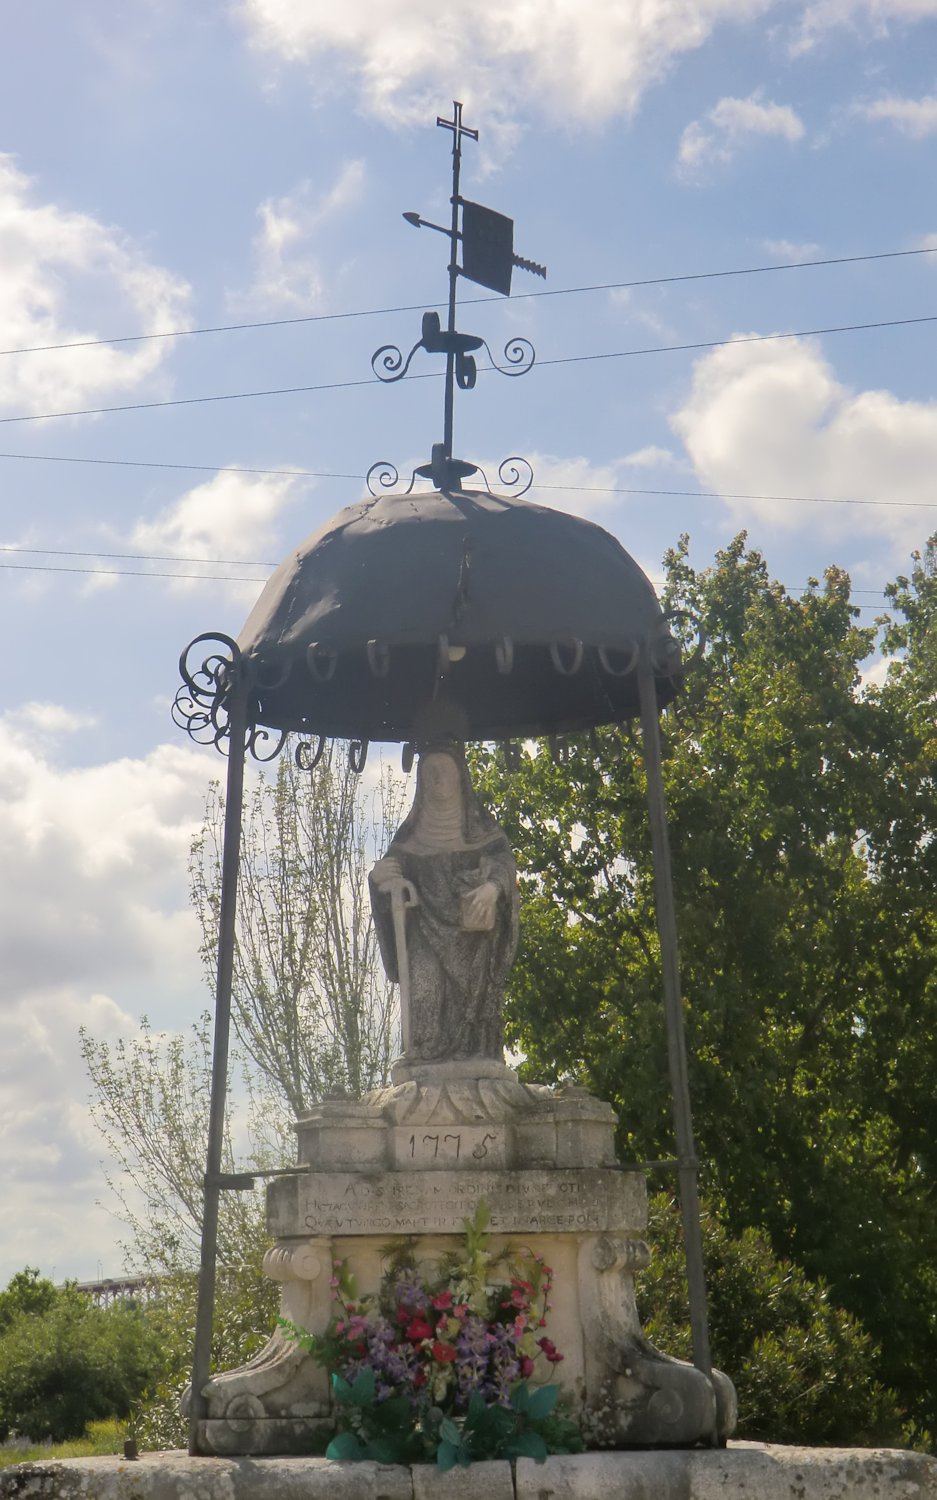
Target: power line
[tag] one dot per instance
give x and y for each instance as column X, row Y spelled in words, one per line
column 123, row 573
column 577, row 489
column 232, row 562
column 568, row 359
column 289, row 390
column 226, row 578
column 219, row 562
column 568, row 291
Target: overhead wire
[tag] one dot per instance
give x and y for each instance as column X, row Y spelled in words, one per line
column 577, row 489
column 226, row 562
column 568, row 359
column 569, row 291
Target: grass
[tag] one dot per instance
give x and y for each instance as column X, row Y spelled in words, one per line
column 101, row 1438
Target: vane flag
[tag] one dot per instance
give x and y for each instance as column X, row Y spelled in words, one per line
column 487, row 237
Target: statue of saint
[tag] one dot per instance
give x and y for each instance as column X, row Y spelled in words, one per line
column 445, row 906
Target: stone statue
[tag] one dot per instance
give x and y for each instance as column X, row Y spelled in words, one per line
column 445, row 906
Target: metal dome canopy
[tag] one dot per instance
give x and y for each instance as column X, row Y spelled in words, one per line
column 454, row 613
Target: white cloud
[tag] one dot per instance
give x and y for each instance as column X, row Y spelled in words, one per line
column 916, row 118
column 288, row 274
column 96, row 924
column 652, row 457
column 573, row 484
column 772, row 419
column 589, row 59
column 791, row 250
column 231, row 516
column 729, row 123
column 876, row 15
column 66, row 278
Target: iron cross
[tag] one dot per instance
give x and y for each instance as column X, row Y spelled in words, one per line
column 457, row 128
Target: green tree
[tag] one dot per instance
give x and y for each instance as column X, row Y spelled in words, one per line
column 312, row 1015
column 65, row 1362
column 311, row 1006
column 801, row 1365
column 26, row 1292
column 800, row 807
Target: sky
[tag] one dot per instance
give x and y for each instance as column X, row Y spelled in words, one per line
column 168, row 167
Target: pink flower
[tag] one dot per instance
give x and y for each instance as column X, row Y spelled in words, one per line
column 527, row 1366
column 442, row 1301
column 551, row 1353
column 445, row 1353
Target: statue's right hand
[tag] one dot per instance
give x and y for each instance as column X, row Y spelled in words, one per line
column 387, row 871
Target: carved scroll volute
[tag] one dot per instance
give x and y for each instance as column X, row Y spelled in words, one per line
column 304, row 1268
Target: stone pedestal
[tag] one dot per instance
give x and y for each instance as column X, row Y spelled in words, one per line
column 415, row 1160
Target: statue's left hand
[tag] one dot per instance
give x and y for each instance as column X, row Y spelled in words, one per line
column 480, row 904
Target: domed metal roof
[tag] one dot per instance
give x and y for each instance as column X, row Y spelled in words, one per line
column 454, row 613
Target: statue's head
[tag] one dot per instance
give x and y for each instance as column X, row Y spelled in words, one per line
column 440, row 775
column 445, row 808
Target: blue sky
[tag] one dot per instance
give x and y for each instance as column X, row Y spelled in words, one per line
column 166, row 167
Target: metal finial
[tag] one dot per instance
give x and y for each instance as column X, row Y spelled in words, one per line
column 487, row 244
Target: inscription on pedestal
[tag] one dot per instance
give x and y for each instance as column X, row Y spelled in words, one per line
column 437, row 1202
column 430, row 1147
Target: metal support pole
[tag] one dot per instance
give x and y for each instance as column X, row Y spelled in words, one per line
column 453, row 276
column 676, row 1041
column 234, row 797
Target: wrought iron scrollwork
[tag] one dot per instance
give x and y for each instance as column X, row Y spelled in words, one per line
column 511, row 473
column 390, row 359
column 307, row 755
column 201, row 705
column 264, row 744
column 384, row 476
column 515, row 474
column 357, row 755
column 520, row 355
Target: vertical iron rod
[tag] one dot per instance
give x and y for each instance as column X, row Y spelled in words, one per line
column 234, row 797
column 453, row 276
column 676, row 1040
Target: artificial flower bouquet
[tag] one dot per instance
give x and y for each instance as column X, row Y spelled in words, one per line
column 437, row 1364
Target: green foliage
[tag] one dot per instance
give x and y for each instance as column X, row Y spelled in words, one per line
column 245, row 1312
column 65, row 1362
column 801, row 1365
column 26, row 1292
column 802, row 814
column 394, row 1431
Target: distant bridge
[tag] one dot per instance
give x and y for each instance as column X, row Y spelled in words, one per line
column 119, row 1288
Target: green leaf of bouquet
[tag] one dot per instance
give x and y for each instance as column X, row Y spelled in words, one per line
column 476, row 1407
column 542, row 1402
column 393, row 1415
column 345, row 1447
column 341, row 1389
column 520, row 1397
column 446, row 1457
column 450, row 1433
column 362, row 1392
column 526, row 1445
column 386, row 1450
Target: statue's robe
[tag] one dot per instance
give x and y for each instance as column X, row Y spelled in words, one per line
column 457, row 976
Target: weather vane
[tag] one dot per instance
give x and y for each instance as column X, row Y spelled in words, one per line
column 486, row 240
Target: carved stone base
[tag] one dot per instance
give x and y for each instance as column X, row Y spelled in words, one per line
column 416, row 1159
